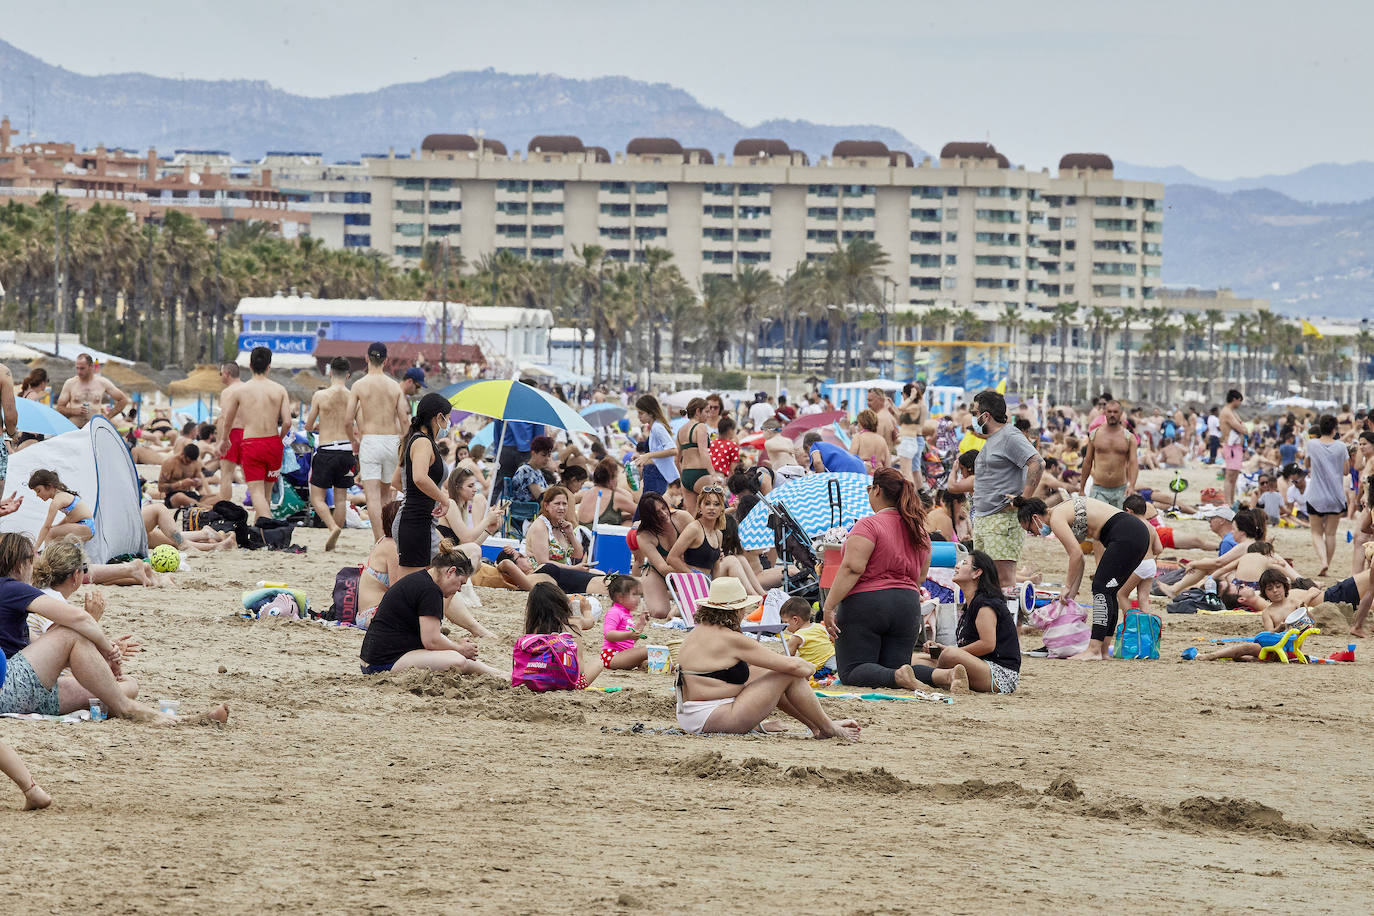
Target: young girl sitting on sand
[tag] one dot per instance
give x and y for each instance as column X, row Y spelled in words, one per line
column 77, row 517
column 624, row 625
column 550, row 653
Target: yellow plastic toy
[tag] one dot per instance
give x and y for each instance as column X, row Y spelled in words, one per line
column 1282, row 649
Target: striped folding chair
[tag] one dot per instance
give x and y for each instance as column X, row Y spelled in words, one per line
column 688, row 590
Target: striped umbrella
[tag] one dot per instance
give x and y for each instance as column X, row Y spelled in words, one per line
column 808, row 499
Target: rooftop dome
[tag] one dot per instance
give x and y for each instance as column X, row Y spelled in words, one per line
column 849, row 149
column 1095, row 161
column 900, row 157
column 653, row 146
column 703, row 154
column 805, row 159
column 496, row 146
column 598, row 153
column 973, row 151
column 555, row 144
column 758, row 146
column 449, row 143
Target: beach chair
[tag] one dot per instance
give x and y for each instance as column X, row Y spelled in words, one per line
column 688, row 590
column 518, row 514
column 1290, row 644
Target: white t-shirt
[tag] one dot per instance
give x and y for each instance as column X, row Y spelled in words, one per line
column 759, row 413
column 813, row 407
column 1213, row 426
column 1297, row 497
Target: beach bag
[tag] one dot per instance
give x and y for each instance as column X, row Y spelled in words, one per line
column 345, row 606
column 1137, row 636
column 194, row 518
column 1064, row 626
column 1192, row 600
column 276, row 533
column 545, row 661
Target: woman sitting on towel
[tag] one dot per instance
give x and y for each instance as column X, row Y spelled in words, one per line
column 728, row 684
column 77, row 519
column 988, row 657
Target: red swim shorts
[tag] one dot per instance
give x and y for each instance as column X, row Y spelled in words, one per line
column 261, row 458
column 1166, row 536
column 235, row 453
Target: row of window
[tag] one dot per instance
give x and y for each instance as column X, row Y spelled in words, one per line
column 727, row 257
column 520, row 186
column 640, row 187
column 624, row 210
column 285, row 326
column 837, row 190
column 721, row 212
column 726, row 234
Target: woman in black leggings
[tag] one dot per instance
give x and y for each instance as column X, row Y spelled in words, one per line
column 1124, row 540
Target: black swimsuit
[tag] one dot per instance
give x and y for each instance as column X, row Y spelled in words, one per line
column 738, row 673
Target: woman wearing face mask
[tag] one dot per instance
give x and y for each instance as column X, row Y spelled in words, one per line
column 422, row 472
column 988, row 656
column 1124, row 539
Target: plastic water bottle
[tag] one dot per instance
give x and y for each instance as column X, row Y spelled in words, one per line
column 1210, row 585
column 631, row 476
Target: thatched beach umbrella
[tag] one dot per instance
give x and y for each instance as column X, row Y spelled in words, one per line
column 204, row 380
column 129, row 379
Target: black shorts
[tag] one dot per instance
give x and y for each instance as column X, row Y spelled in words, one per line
column 332, row 469
column 1343, row 592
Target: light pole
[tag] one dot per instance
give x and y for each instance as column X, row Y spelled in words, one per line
column 56, row 268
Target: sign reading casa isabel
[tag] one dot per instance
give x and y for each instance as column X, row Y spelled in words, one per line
column 279, row 343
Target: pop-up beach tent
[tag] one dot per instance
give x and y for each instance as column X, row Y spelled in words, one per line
column 95, row 463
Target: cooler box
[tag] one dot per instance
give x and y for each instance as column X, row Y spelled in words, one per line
column 493, row 546
column 830, row 565
column 612, row 553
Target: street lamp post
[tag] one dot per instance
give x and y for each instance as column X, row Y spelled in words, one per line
column 56, row 268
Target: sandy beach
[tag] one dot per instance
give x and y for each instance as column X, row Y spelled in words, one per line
column 1160, row 786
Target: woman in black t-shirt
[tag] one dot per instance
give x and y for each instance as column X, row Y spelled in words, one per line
column 988, row 657
column 406, row 631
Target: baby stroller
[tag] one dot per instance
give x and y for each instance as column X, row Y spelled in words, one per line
column 794, row 548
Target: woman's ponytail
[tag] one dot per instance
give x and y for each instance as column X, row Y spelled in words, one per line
column 901, row 493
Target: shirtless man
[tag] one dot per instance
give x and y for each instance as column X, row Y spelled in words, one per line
column 229, row 455
column 264, row 407
column 887, row 420
column 335, row 443
column 83, row 395
column 1112, row 458
column 912, row 416
column 180, row 480
column 9, row 419
column 385, row 416
column 781, row 450
column 1233, row 434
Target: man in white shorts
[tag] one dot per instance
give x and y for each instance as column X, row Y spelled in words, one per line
column 377, row 404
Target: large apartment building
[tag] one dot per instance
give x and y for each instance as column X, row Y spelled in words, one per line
column 966, row 230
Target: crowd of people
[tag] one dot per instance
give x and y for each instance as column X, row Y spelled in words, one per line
column 986, row 475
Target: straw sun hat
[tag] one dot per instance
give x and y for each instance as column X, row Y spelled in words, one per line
column 727, row 593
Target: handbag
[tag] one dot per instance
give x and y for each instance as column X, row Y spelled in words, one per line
column 1137, row 636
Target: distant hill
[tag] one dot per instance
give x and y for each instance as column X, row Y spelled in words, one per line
column 249, row 118
column 1320, row 256
column 1323, row 183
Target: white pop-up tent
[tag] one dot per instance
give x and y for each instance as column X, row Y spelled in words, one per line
column 95, row 463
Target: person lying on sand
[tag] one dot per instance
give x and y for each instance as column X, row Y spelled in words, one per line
column 162, row 528
column 407, row 630
column 34, row 681
column 728, row 683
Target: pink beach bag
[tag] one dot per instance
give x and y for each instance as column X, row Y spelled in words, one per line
column 1064, row 626
column 545, row 661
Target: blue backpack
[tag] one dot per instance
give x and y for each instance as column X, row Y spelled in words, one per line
column 1137, row 636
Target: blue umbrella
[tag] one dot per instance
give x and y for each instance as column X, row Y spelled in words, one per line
column 603, row 414
column 40, row 419
column 808, row 499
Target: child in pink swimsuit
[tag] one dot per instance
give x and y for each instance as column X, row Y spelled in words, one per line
column 623, row 626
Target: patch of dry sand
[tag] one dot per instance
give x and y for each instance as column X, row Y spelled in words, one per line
column 1152, row 786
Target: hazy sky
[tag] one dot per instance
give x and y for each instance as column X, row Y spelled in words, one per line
column 1224, row 88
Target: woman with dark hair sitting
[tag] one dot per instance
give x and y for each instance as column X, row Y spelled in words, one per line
column 658, row 531
column 407, row 630
column 728, row 684
column 988, row 657
column 873, row 609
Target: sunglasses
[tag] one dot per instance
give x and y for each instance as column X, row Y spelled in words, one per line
column 713, row 488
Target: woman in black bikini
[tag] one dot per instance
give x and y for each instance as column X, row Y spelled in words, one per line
column 416, row 536
column 698, row 548
column 728, row 684
column 659, row 529
column 693, row 441
column 616, row 502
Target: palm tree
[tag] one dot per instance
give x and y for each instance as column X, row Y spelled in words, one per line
column 1041, row 329
column 854, row 270
column 1010, row 320
column 1128, row 315
column 755, row 291
column 1064, row 312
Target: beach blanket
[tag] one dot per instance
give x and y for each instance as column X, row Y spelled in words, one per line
column 81, row 715
column 881, row 697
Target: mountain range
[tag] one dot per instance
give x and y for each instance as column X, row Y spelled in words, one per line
column 1303, row 240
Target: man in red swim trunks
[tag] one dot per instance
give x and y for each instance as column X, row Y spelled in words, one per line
column 229, row 437
column 263, row 406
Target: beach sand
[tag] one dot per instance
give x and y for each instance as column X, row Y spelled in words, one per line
column 1149, row 786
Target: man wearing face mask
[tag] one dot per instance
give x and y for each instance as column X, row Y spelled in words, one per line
column 1008, row 466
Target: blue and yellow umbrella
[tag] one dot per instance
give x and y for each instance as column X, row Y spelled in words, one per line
column 506, row 399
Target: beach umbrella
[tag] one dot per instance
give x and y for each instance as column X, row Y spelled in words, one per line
column 603, row 414
column 808, row 499
column 801, row 425
column 507, row 399
column 40, row 419
column 679, row 400
column 204, row 380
